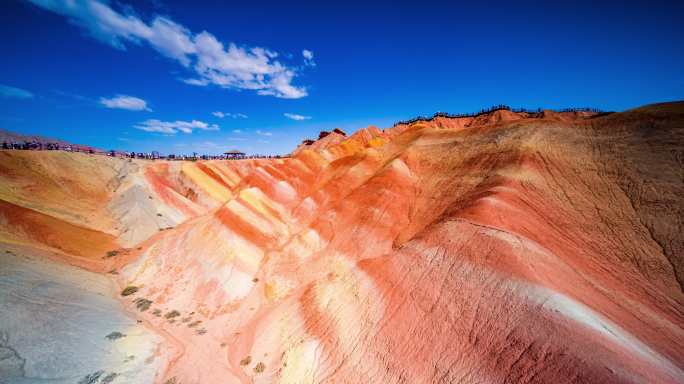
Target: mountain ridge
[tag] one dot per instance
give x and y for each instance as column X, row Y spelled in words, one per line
column 496, row 248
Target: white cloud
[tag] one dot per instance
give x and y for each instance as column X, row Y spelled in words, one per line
column 237, row 131
column 130, row 103
column 231, row 66
column 171, row 127
column 294, row 116
column 263, row 133
column 308, row 58
column 14, row 93
column 197, row 82
column 282, row 87
column 221, row 115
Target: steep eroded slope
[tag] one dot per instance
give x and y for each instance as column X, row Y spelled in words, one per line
column 507, row 248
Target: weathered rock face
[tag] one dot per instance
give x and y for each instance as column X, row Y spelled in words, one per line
column 502, row 248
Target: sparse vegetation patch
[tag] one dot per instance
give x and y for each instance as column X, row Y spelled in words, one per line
column 143, row 304
column 129, row 290
column 115, row 336
column 91, row 378
column 172, row 314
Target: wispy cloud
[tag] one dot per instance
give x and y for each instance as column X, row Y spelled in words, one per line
column 212, row 62
column 172, row 127
column 294, row 116
column 237, row 131
column 72, row 96
column 263, row 133
column 130, row 103
column 14, row 93
column 221, row 115
column 308, row 58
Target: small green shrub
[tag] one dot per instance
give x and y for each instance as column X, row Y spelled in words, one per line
column 172, row 314
column 112, row 253
column 143, row 304
column 115, row 335
column 246, row 360
column 259, row 367
column 131, row 289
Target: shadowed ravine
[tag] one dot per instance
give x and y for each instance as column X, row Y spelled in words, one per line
column 502, row 248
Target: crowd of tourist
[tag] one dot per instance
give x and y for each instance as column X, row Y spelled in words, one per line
column 154, row 155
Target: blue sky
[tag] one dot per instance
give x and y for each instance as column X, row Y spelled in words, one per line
column 146, row 75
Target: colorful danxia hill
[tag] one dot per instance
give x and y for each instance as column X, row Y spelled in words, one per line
column 502, row 248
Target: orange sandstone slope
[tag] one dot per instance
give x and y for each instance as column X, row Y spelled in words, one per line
column 505, row 248
column 85, row 206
